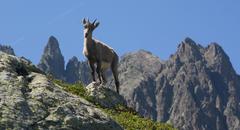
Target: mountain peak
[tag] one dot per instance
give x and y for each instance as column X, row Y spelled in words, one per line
column 52, row 44
column 53, row 38
column 52, row 60
column 218, row 60
column 144, row 51
column 189, row 51
column 74, row 59
column 188, row 40
column 216, row 49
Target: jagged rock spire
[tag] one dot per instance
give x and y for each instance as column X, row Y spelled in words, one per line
column 52, row 61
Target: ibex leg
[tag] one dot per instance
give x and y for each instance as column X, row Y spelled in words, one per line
column 114, row 68
column 93, row 70
column 99, row 71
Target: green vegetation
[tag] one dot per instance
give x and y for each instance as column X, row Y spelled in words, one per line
column 77, row 88
column 130, row 120
column 126, row 117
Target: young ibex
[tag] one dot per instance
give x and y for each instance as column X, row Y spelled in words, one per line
column 100, row 54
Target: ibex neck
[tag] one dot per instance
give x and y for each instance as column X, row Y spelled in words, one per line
column 88, row 44
column 88, row 41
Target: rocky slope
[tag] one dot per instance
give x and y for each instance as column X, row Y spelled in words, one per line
column 7, row 49
column 28, row 100
column 52, row 61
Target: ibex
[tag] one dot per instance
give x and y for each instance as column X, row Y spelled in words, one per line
column 99, row 54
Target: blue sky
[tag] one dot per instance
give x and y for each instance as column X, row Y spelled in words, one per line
column 127, row 25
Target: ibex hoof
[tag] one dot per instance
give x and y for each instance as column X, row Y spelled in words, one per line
column 104, row 83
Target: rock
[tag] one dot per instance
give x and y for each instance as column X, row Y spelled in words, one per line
column 77, row 71
column 72, row 70
column 52, row 61
column 7, row 49
column 189, row 51
column 28, row 100
column 104, row 96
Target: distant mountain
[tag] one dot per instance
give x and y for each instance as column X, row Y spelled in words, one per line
column 77, row 71
column 195, row 89
column 52, row 61
column 7, row 49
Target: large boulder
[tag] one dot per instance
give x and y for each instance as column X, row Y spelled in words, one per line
column 103, row 96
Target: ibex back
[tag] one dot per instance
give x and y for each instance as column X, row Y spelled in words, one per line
column 100, row 54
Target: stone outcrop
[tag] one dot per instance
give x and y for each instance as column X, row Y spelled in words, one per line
column 104, row 96
column 28, row 100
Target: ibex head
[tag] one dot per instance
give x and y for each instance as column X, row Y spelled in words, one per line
column 89, row 27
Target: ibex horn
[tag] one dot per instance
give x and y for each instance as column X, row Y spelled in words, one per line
column 88, row 20
column 94, row 21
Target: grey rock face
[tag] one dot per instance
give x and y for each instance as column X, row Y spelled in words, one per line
column 72, row 70
column 137, row 74
column 28, row 100
column 7, row 49
column 77, row 71
column 52, row 61
column 196, row 89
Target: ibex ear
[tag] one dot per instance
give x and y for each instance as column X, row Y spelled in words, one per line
column 96, row 24
column 84, row 21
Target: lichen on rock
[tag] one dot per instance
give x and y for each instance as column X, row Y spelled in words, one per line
column 104, row 96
